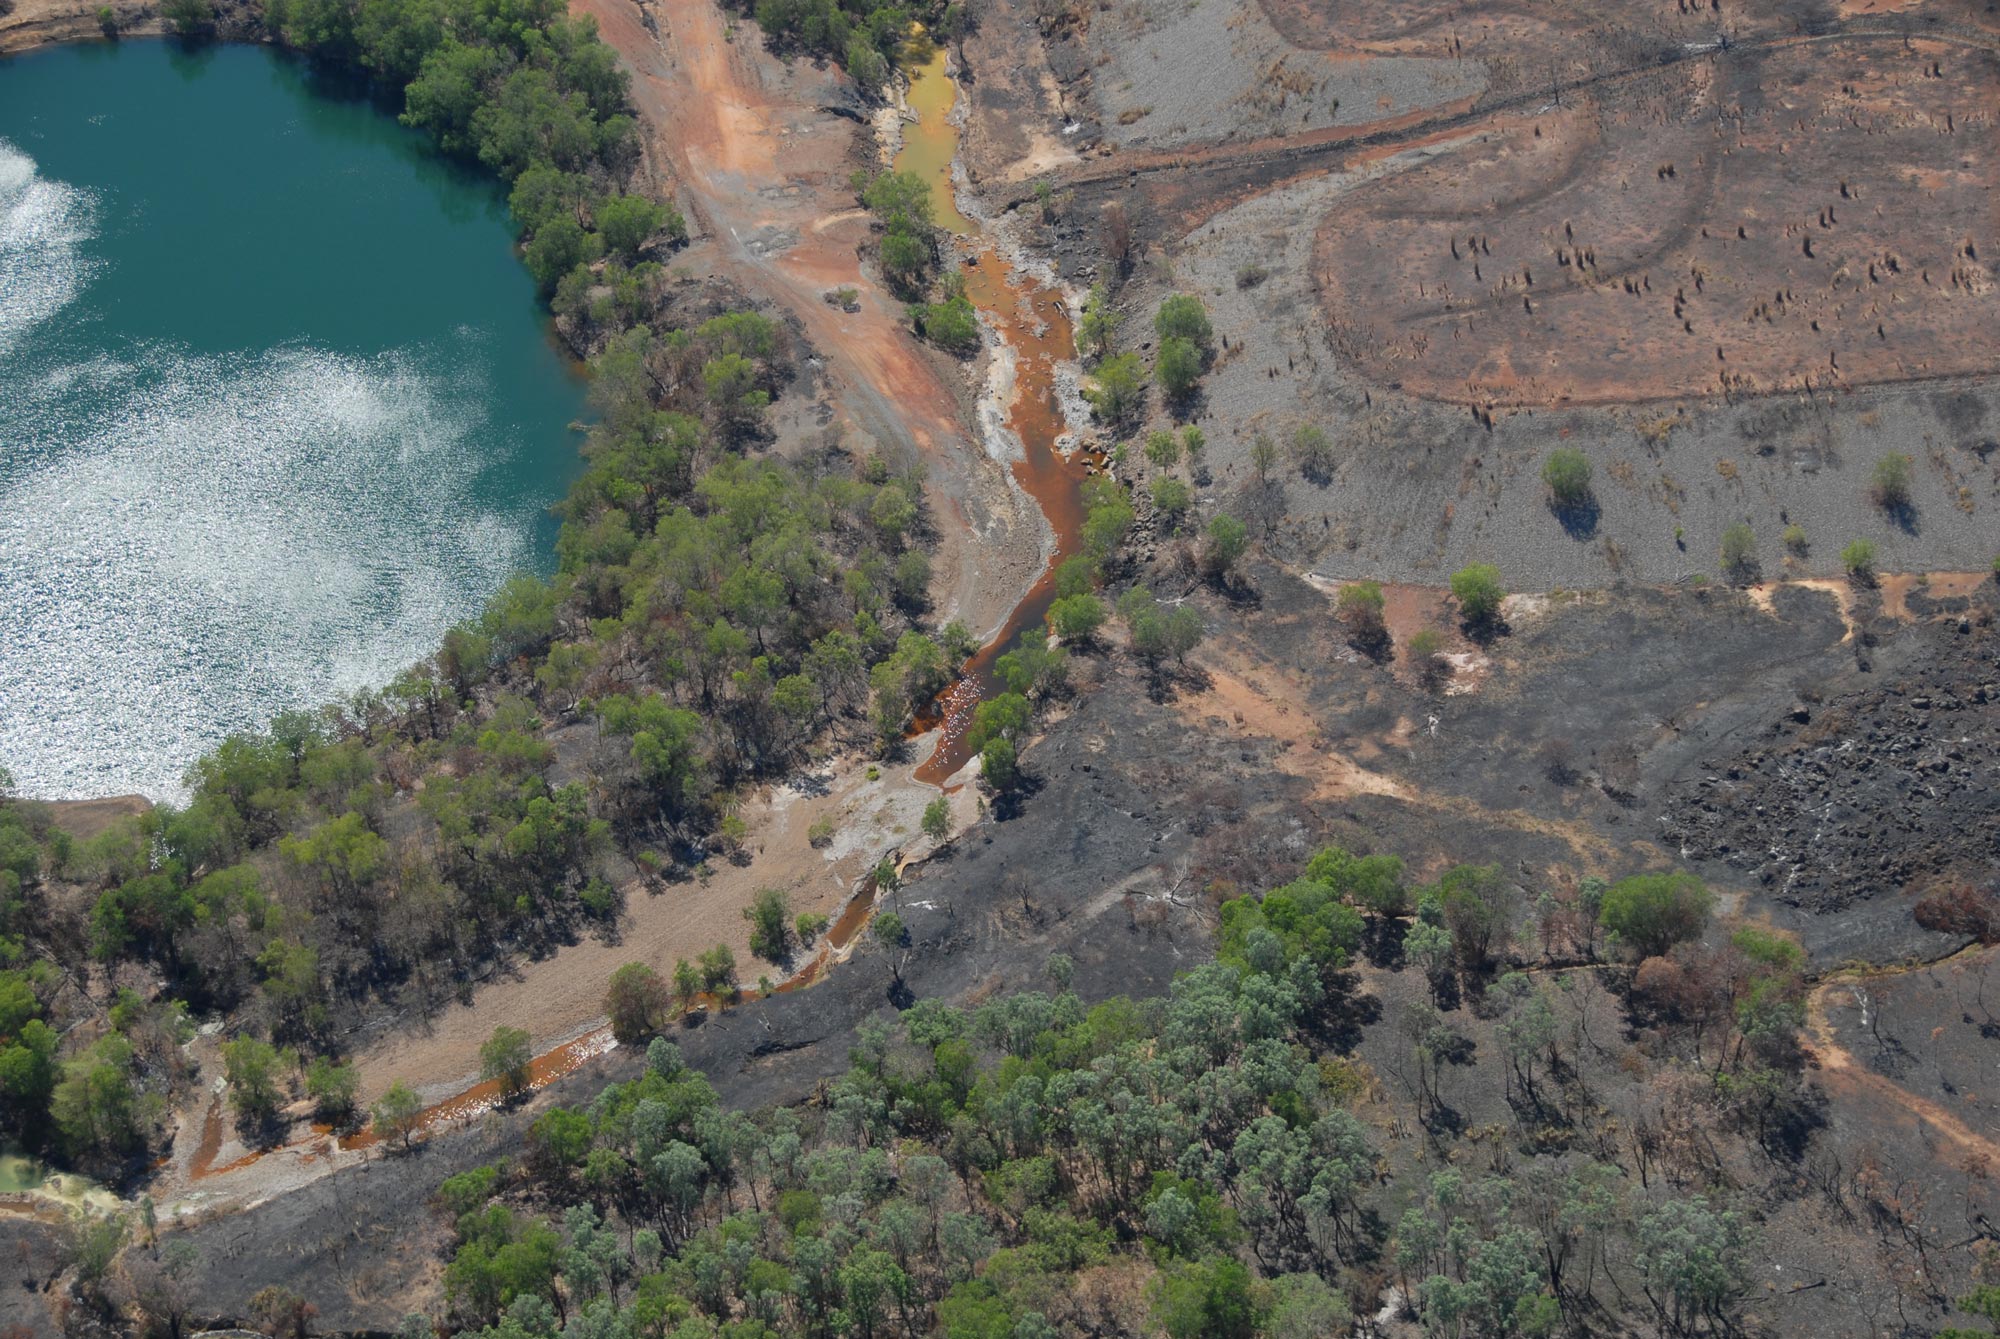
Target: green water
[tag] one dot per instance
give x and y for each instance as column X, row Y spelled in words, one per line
column 277, row 405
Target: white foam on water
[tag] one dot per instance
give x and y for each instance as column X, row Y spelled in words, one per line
column 197, row 543
column 43, row 228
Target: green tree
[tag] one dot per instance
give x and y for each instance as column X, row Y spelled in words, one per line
column 626, row 222
column 96, row 1106
column 1076, row 618
column 1478, row 591
column 1654, row 912
column 770, row 914
column 1206, row 1299
column 335, row 1089
column 1098, row 323
column 507, row 1058
column 1359, row 607
column 637, row 1003
column 188, row 17
column 1172, row 498
column 1691, row 1259
column 999, row 765
column 1182, row 316
column 1228, row 540
column 1178, row 366
column 558, row 247
column 952, row 325
column 937, row 819
column 399, row 1114
column 718, row 970
column 1118, row 384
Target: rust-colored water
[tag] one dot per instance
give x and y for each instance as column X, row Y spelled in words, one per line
column 1031, row 320
column 481, row 1098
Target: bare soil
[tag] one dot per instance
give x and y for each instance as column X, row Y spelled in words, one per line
column 1746, row 224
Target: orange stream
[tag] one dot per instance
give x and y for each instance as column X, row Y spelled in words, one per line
column 1031, row 321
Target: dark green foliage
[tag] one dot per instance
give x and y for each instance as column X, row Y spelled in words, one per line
column 188, row 17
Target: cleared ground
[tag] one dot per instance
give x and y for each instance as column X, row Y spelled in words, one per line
column 1801, row 218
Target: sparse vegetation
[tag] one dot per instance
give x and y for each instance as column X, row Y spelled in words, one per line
column 1359, row 607
column 1739, row 552
column 1890, row 482
column 1478, row 591
column 1859, row 560
column 1567, row 473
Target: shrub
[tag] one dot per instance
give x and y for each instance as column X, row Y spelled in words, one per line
column 951, row 325
column 1359, row 607
column 1228, row 541
column 1859, row 560
column 1654, row 912
column 1312, row 451
column 1567, row 474
column 1795, row 540
column 820, row 832
column 1889, row 485
column 1172, row 498
column 107, row 21
column 1478, row 591
column 809, row 926
column 1739, row 551
column 1163, row 449
column 1426, row 651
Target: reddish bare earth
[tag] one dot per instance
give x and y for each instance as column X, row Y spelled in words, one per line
column 1742, row 226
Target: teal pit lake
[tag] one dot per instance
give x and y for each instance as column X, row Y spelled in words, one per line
column 277, row 405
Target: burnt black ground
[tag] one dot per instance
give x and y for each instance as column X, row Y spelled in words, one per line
column 1143, row 801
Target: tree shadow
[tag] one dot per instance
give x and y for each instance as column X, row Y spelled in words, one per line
column 1485, row 631
column 1577, row 517
column 1374, row 642
column 1382, row 943
column 1165, row 682
column 1009, row 803
column 1903, row 515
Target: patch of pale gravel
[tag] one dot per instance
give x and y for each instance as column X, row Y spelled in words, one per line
column 1200, row 71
